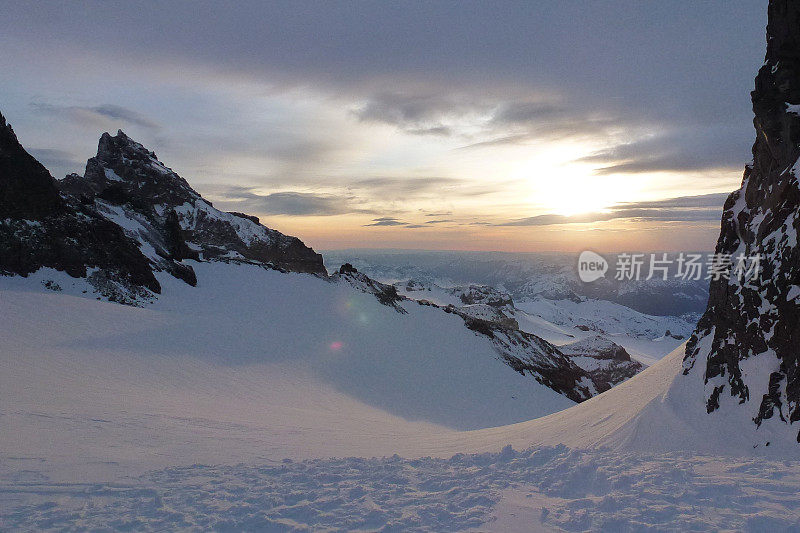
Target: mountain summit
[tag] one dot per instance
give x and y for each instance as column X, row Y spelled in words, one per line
column 127, row 218
column 157, row 207
column 41, row 229
column 747, row 343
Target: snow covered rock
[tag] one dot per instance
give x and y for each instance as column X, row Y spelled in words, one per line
column 129, row 185
column 607, row 362
column 39, row 228
column 386, row 294
column 747, row 344
column 587, row 368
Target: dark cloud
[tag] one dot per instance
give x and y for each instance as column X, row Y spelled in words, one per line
column 694, row 148
column 526, row 112
column 101, row 115
column 683, row 209
column 391, row 221
column 416, row 114
column 442, row 131
column 552, row 219
column 650, row 55
column 715, row 200
column 288, row 203
column 485, row 120
column 440, row 221
column 116, row 112
column 387, row 221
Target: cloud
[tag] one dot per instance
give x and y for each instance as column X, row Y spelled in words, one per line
column 694, row 148
column 715, row 200
column 297, row 118
column 440, row 221
column 706, row 207
column 387, row 221
column 526, row 112
column 552, row 219
column 116, row 112
column 408, row 188
column 415, row 113
column 428, row 70
column 53, row 158
column 485, row 119
column 392, row 221
column 101, row 115
column 288, row 203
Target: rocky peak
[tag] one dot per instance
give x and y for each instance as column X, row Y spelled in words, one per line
column 27, row 190
column 747, row 343
column 39, row 228
column 159, row 208
column 125, row 171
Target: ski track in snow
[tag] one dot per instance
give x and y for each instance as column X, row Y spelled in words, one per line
column 543, row 488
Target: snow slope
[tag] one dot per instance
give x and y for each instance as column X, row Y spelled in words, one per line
column 250, row 363
column 187, row 414
column 268, row 365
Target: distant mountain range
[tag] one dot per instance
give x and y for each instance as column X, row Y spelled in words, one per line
column 548, row 275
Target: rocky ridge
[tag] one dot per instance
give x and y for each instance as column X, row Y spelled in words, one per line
column 747, row 344
column 585, row 371
column 41, row 229
column 129, row 185
column 127, row 218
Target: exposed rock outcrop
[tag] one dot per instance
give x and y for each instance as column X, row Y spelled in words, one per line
column 386, row 294
column 747, row 343
column 39, row 228
column 578, row 375
column 129, row 185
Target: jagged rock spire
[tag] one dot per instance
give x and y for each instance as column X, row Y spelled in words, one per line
column 39, row 228
column 27, row 190
column 757, row 319
column 126, row 180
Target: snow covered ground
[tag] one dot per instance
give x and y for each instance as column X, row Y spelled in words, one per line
column 251, row 363
column 222, row 406
column 541, row 489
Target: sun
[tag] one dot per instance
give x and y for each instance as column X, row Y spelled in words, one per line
column 561, row 185
column 575, row 191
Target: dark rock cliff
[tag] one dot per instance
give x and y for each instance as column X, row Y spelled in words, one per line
column 756, row 318
column 39, row 228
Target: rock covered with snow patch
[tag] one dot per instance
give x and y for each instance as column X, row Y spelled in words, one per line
column 159, row 208
column 747, row 344
column 41, row 229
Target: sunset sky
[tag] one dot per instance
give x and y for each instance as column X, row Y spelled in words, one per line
column 428, row 125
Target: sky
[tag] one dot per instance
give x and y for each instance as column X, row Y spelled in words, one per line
column 516, row 126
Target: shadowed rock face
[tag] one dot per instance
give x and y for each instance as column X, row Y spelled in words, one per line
column 760, row 318
column 39, row 228
column 126, row 218
column 156, row 206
